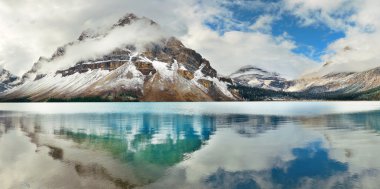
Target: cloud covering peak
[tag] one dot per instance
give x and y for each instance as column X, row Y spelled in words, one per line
column 359, row 49
column 128, row 31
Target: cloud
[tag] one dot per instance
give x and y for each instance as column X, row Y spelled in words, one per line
column 139, row 33
column 357, row 52
column 236, row 49
column 359, row 49
column 335, row 14
column 263, row 23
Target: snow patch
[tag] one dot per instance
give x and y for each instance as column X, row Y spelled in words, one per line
column 222, row 86
column 128, row 77
column 163, row 69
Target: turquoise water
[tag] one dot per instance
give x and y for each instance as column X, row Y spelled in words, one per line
column 190, row 145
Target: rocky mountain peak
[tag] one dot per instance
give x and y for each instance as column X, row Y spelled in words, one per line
column 326, row 63
column 347, row 48
column 127, row 19
column 42, row 58
column 88, row 33
column 173, row 42
column 6, row 79
column 130, row 18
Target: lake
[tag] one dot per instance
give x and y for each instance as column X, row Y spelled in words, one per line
column 232, row 145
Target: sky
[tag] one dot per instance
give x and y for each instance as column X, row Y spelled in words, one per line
column 291, row 37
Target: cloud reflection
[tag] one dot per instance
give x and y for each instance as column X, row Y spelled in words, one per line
column 161, row 150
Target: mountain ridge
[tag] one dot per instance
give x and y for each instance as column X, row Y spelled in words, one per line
column 159, row 68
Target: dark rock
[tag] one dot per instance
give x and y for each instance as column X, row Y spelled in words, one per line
column 39, row 76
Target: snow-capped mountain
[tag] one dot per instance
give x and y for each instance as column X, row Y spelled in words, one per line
column 7, row 79
column 252, row 76
column 345, row 82
column 335, row 76
column 131, row 60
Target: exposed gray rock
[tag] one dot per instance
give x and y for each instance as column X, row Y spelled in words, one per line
column 7, row 80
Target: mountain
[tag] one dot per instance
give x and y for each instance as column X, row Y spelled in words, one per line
column 252, row 76
column 253, row 83
column 335, row 77
column 7, row 79
column 356, row 84
column 343, row 82
column 133, row 60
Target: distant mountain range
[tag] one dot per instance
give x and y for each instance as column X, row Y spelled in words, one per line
column 363, row 85
column 116, row 65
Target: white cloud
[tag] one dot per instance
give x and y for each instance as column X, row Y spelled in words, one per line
column 335, row 14
column 359, row 49
column 305, row 5
column 236, row 49
column 140, row 34
column 357, row 52
column 263, row 23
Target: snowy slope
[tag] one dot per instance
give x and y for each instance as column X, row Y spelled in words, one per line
column 336, row 75
column 346, row 82
column 256, row 77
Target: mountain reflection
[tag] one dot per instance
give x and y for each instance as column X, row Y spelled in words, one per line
column 127, row 150
column 250, row 125
column 152, row 143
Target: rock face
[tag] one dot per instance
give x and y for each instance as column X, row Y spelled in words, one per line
column 7, row 80
column 252, row 76
column 163, row 70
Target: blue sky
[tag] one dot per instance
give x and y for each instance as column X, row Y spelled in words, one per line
column 310, row 40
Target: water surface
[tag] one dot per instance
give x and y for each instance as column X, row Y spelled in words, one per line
column 190, row 145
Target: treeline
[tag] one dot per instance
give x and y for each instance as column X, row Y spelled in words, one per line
column 259, row 94
column 79, row 99
column 15, row 100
